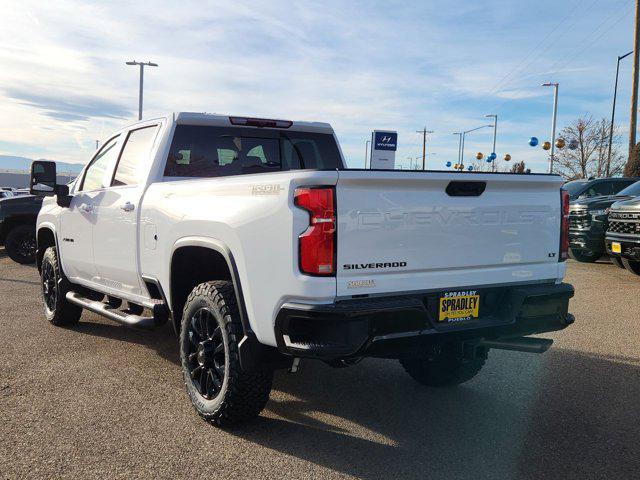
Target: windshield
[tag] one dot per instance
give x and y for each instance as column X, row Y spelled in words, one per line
column 632, row 190
column 575, row 187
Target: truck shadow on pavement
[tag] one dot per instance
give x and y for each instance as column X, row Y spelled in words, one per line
column 161, row 340
column 565, row 414
column 577, row 417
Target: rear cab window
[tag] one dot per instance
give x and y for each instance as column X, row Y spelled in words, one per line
column 212, row 151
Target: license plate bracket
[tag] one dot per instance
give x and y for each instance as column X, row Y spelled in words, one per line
column 459, row 306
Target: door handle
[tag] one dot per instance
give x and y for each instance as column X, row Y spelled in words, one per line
column 86, row 208
column 128, row 207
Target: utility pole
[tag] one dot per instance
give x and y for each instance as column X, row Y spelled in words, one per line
column 97, row 144
column 613, row 111
column 553, row 121
column 424, row 132
column 142, row 65
column 634, row 89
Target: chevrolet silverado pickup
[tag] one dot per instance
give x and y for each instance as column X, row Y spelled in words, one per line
column 261, row 248
column 588, row 223
column 623, row 235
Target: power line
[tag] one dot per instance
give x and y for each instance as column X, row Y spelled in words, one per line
column 588, row 44
column 524, row 63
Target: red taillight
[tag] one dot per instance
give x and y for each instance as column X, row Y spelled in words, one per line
column 564, row 226
column 260, row 122
column 317, row 245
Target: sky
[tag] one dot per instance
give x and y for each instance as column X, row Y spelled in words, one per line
column 359, row 65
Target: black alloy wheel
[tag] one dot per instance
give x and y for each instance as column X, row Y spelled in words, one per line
column 20, row 244
column 49, row 286
column 207, row 354
column 57, row 309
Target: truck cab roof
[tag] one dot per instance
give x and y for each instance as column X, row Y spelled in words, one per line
column 215, row 119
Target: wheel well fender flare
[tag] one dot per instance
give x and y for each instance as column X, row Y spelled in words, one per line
column 40, row 229
column 225, row 252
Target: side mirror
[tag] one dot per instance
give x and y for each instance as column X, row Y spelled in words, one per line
column 43, row 178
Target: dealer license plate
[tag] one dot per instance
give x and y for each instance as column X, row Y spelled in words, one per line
column 459, row 306
column 616, row 247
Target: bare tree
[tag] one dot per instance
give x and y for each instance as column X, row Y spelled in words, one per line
column 590, row 158
column 518, row 167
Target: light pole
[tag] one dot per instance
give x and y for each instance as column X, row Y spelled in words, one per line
column 495, row 133
column 459, row 143
column 413, row 162
column 463, row 135
column 366, row 152
column 553, row 122
column 613, row 110
column 142, row 65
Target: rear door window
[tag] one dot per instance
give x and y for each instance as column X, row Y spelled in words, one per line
column 203, row 151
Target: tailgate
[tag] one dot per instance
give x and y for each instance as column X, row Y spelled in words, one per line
column 402, row 231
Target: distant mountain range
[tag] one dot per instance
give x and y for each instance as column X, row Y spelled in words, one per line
column 8, row 162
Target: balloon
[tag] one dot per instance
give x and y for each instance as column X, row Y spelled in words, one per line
column 493, row 156
column 448, row 164
column 479, row 156
column 489, row 159
column 533, row 141
column 546, row 145
column 560, row 143
column 507, row 157
column 470, row 168
column 573, row 144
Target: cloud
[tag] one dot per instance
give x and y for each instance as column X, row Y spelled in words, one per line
column 69, row 107
column 358, row 65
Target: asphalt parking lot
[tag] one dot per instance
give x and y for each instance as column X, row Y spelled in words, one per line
column 101, row 400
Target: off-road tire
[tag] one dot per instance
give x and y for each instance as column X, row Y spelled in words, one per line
column 632, row 265
column 20, row 244
column 585, row 256
column 57, row 309
column 242, row 395
column 445, row 369
column 617, row 261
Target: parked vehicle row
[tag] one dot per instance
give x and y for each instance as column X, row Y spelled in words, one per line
column 588, row 221
column 261, row 248
column 605, row 224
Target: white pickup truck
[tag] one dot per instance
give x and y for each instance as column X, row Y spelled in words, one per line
column 260, row 246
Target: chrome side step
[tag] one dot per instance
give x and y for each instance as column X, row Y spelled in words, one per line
column 520, row 344
column 113, row 313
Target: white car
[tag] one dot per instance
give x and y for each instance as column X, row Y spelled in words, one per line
column 261, row 248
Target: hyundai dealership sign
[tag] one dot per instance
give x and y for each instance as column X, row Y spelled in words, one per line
column 383, row 151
